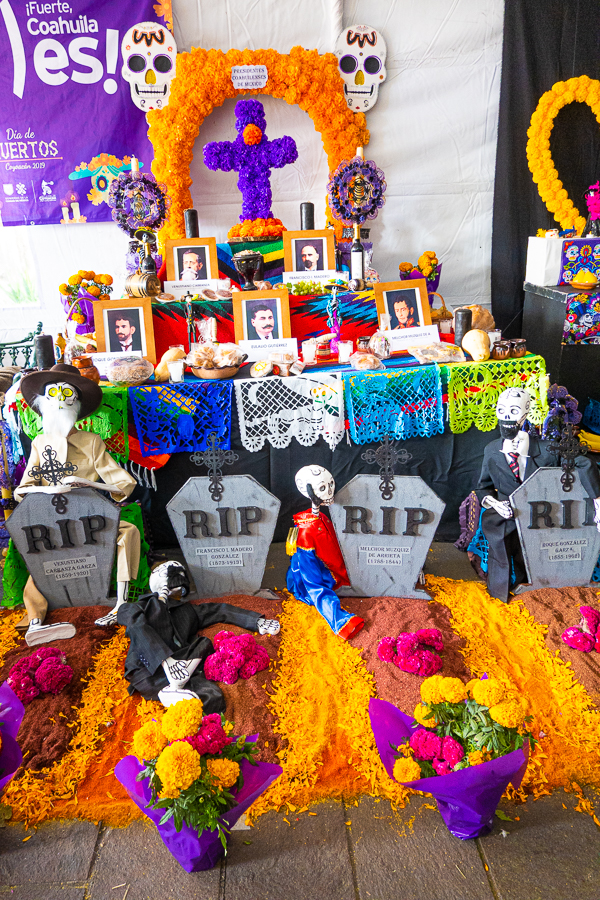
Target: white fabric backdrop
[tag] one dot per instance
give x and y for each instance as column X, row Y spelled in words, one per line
column 433, row 132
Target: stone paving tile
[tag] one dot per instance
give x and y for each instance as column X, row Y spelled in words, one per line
column 56, row 852
column 305, row 860
column 411, row 855
column 551, row 853
column 136, row 856
column 46, row 892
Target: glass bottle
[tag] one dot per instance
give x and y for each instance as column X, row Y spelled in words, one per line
column 357, row 257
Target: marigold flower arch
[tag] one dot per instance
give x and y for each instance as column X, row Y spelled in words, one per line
column 576, row 90
column 203, row 82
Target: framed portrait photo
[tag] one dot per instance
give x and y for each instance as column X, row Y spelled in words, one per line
column 192, row 259
column 125, row 327
column 308, row 251
column 406, row 303
column 261, row 316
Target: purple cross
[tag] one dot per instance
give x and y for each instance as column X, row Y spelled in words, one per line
column 253, row 155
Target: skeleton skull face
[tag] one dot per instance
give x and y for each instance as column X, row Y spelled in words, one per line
column 149, row 56
column 317, row 484
column 361, row 54
column 60, row 396
column 511, row 411
column 169, row 579
column 573, row 252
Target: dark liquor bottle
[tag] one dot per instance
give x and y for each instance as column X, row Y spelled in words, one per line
column 357, row 257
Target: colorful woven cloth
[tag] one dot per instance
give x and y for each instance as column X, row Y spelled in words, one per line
column 174, row 418
column 402, row 404
column 473, row 390
column 278, row 409
column 109, row 421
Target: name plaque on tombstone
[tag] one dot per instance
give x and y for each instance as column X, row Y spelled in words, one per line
column 68, row 554
column 385, row 542
column 559, row 538
column 225, row 544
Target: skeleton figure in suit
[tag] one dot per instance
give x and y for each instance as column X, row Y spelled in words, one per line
column 507, row 462
column 166, row 656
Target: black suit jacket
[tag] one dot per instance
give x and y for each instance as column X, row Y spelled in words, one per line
column 498, row 479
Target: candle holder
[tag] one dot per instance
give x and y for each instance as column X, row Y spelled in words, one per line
column 250, row 265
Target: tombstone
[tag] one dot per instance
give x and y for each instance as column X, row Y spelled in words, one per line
column 225, row 543
column 560, row 541
column 68, row 543
column 385, row 542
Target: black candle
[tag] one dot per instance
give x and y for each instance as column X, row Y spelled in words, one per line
column 307, row 216
column 463, row 322
column 190, row 217
column 44, row 351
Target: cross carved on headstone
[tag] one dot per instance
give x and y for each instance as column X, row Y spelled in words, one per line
column 214, row 458
column 52, row 470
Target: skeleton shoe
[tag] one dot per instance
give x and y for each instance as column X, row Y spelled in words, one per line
column 268, row 626
column 43, row 634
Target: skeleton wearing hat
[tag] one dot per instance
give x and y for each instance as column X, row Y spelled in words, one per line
column 317, row 566
column 507, row 462
column 62, row 397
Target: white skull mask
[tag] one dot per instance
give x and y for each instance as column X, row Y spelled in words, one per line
column 168, row 579
column 149, row 56
column 317, row 484
column 60, row 395
column 513, row 405
column 361, row 54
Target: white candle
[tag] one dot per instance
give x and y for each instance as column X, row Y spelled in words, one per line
column 65, row 212
column 135, row 166
column 75, row 209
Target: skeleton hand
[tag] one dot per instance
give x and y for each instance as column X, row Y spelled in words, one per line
column 75, row 481
column 179, row 671
column 597, row 515
column 502, row 507
column 268, row 626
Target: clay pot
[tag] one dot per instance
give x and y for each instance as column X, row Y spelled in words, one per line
column 86, row 368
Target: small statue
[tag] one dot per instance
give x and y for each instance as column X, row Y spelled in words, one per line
column 507, row 462
column 592, row 199
column 166, row 656
column 317, row 566
column 73, row 459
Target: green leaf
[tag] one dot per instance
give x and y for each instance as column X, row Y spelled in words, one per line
column 503, row 816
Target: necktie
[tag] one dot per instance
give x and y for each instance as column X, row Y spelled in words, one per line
column 514, row 465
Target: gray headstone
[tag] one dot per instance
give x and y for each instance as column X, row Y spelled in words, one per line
column 560, row 541
column 70, row 554
column 385, row 542
column 225, row 544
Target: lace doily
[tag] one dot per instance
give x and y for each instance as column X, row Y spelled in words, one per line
column 176, row 418
column 402, row 404
column 473, row 390
column 109, row 421
column 278, row 409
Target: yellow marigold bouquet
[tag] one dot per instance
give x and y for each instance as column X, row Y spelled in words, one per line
column 79, row 292
column 192, row 764
column 462, row 725
column 428, row 266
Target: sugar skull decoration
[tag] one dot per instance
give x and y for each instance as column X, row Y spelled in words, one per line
column 361, row 54
column 149, row 56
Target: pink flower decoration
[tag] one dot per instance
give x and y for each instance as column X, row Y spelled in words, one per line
column 591, row 618
column 43, row 653
column 432, row 637
column 578, row 640
column 52, row 675
column 24, row 688
column 407, row 643
column 235, row 656
column 222, row 636
column 426, row 744
column 452, row 751
column 386, row 649
column 441, row 767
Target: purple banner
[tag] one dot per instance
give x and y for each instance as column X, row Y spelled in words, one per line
column 68, row 123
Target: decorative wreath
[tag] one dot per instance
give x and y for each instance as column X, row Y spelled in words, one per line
column 138, row 201
column 576, row 90
column 203, row 82
column 355, row 191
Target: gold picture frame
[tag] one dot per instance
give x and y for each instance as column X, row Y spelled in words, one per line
column 138, row 313
column 322, row 241
column 411, row 294
column 207, row 253
column 244, row 315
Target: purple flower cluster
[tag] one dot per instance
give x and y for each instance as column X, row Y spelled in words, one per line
column 211, row 737
column 443, row 753
column 410, row 653
column 253, row 161
column 45, row 671
column 562, row 411
column 235, row 656
column 138, row 201
column 355, row 191
column 586, row 636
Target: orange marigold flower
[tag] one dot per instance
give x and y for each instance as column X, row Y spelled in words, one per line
column 406, row 267
column 75, row 279
column 508, row 713
column 93, row 290
column 148, row 741
column 178, row 766
column 225, row 772
column 407, row 769
column 183, row 719
column 488, row 692
column 79, row 318
column 63, row 288
column 252, row 134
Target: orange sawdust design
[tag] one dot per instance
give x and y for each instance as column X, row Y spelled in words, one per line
column 9, row 637
column 504, row 640
column 54, row 790
column 321, row 699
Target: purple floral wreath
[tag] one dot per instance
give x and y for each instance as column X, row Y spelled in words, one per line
column 355, row 191
column 138, row 201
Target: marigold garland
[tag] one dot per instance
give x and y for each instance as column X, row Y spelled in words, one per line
column 505, row 641
column 576, row 90
column 9, row 636
column 203, row 81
